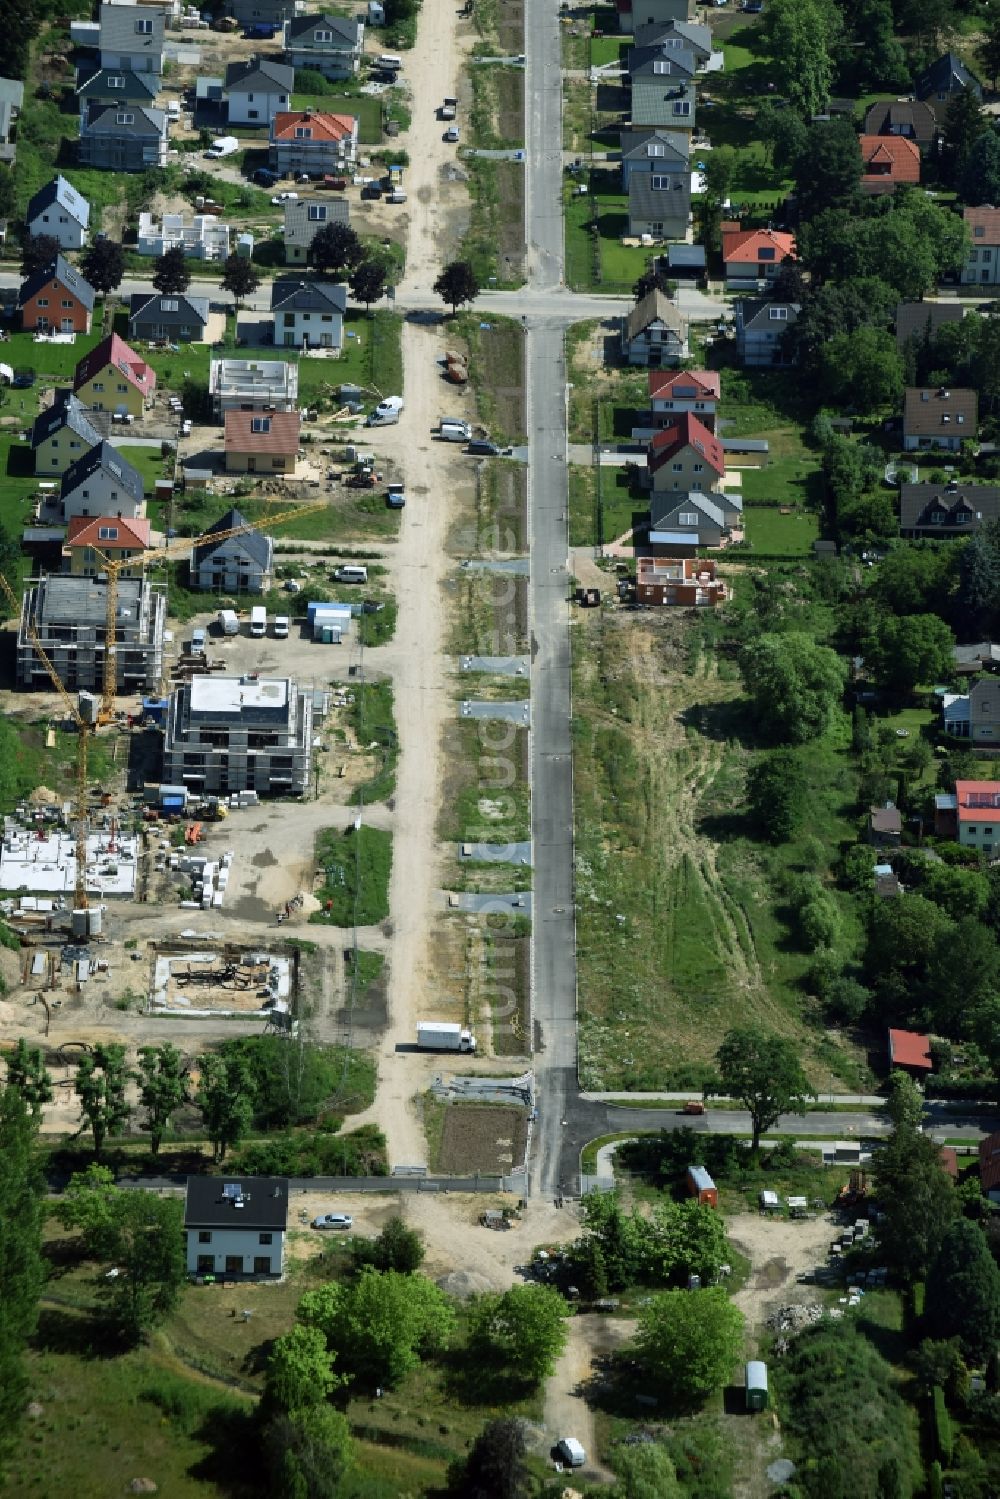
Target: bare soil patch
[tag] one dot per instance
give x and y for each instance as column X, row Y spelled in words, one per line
column 483, row 1137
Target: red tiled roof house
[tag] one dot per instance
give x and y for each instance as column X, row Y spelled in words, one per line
column 91, row 539
column 112, row 377
column 685, row 456
column 754, row 255
column 887, row 161
column 910, row 1052
column 978, row 812
column 312, row 140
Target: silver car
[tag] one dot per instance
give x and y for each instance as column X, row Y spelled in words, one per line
column 334, row 1220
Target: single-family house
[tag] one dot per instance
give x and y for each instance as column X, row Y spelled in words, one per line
column 261, row 442
column 910, row 118
column 639, row 13
column 93, row 541
column 113, row 377
column 112, row 86
column 122, row 137
column 655, row 333
column 68, row 617
column 977, row 806
column 326, row 44
column 57, row 298
column 939, row 417
column 754, row 256
column 680, row 36
column 61, row 434
column 694, row 391
column 982, row 266
column 253, row 385
column 308, row 313
column 303, row 218
column 886, row 162
column 202, row 237
column 681, row 523
column 952, row 509
column 235, row 1226
column 257, row 89
column 663, row 91
column 685, row 457
column 910, row 1052
column 944, row 78
column 233, row 564
column 102, row 482
column 684, row 582
column 974, row 715
column 885, row 826
column 11, row 102
column 659, row 206
column 57, row 209
column 761, row 326
column 989, row 1166
column 980, row 656
column 922, row 320
column 132, row 38
column 312, row 140
column 262, row 12
column 659, row 152
column 178, row 317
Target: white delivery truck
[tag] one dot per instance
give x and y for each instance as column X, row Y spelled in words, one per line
column 227, row 621
column 258, row 621
column 386, row 413
column 444, row 1035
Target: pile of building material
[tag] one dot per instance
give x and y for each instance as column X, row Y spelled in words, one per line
column 794, row 1318
column 209, row 878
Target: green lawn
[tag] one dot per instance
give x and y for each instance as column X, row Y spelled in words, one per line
column 606, row 49
column 356, row 867
column 777, row 535
column 615, row 267
column 150, row 463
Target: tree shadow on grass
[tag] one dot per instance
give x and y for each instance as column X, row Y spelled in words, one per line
column 725, row 721
column 82, row 1335
column 471, row 1380
column 234, row 1461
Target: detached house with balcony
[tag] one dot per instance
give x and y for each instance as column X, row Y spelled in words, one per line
column 56, row 299
column 308, row 314
column 61, row 435
column 257, row 90
column 235, row 1226
column 113, row 377
column 754, row 256
column 940, row 417
column 132, row 38
column 313, row 141
column 659, row 153
column 685, row 456
column 233, row 564
column 978, row 814
column 982, row 265
column 331, row 45
column 655, row 333
column 122, row 138
column 760, row 332
column 943, row 510
column 57, row 209
column 886, row 162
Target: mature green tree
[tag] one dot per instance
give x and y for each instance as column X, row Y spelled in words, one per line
column 910, row 649
column 937, row 1363
column 308, row 1452
column 226, row 1096
column 495, row 1467
column 457, row 283
column 963, row 1292
column 720, row 172
column 240, row 278
column 962, row 995
column 828, row 168
column 380, row 1325
column 28, row 1074
column 794, row 683
column 38, row 252
column 22, row 1193
column 908, row 240
column 162, row 1088
column 903, row 938
column 916, row 1198
column 335, row 249
column 904, row 1104
column 171, row 272
column 395, row 1248
column 881, row 58
column 915, row 579
column 964, row 122
column 689, row 1341
column 644, row 1471
column 978, row 594
column 88, row 1205
column 653, row 278
column 959, row 892
column 149, row 1264
column 20, row 24
column 685, row 1238
column 522, row 1329
column 619, row 1235
column 762, row 1071
column 989, row 54
column 368, row 281
column 800, row 33
column 837, row 308
column 979, row 181
column 103, row 264
column 777, row 795
column 862, row 369
column 784, row 134
column 100, row 1083
column 588, row 1268
column 299, row 1371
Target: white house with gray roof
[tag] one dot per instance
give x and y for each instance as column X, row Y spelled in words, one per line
column 234, row 564
column 132, row 38
column 256, row 90
column 681, row 36
column 663, row 152
column 330, row 45
column 113, row 86
column 760, row 332
column 308, row 313
column 659, row 204
column 302, row 221
column 102, row 482
column 62, row 435
column 175, row 316
column 122, row 137
column 59, row 210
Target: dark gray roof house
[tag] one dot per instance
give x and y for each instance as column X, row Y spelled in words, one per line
column 177, row 317
column 112, row 86
column 64, row 274
column 304, row 218
column 945, row 77
column 659, row 205
column 291, row 294
column 257, row 89
column 911, row 118
column 952, row 509
column 330, row 45
column 132, row 37
column 122, row 137
column 652, row 150
column 232, row 564
column 65, row 411
column 663, row 92
column 760, row 331
column 101, row 483
column 683, row 35
column 261, row 12
column 920, row 320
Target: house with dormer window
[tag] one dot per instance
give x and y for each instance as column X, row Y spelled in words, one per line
column 982, row 265
column 113, row 377
column 132, row 38
column 939, row 417
column 752, row 256
column 260, row 442
column 56, row 299
column 686, row 457
column 761, row 326
column 93, row 541
column 952, row 509
column 311, row 140
column 326, row 44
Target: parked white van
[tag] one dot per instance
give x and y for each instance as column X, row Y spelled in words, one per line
column 258, row 621
column 452, row 430
column 281, row 627
column 228, row 623
column 351, row 573
column 387, row 412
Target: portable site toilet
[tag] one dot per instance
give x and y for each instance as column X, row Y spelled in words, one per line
column 756, row 1385
column 701, row 1186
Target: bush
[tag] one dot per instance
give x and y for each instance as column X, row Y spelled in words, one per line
column 362, row 1152
column 944, row 1437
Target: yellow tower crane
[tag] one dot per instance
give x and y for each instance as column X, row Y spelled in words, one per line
column 173, row 550
column 82, row 746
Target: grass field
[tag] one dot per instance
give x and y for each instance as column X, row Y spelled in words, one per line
column 367, row 109
column 372, row 719
column 487, row 797
column 777, row 535
column 496, row 371
column 601, row 262
column 345, row 516
column 357, row 865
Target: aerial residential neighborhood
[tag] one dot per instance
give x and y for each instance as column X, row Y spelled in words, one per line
column 500, row 867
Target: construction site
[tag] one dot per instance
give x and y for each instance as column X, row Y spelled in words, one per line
column 224, row 980
column 44, row 862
